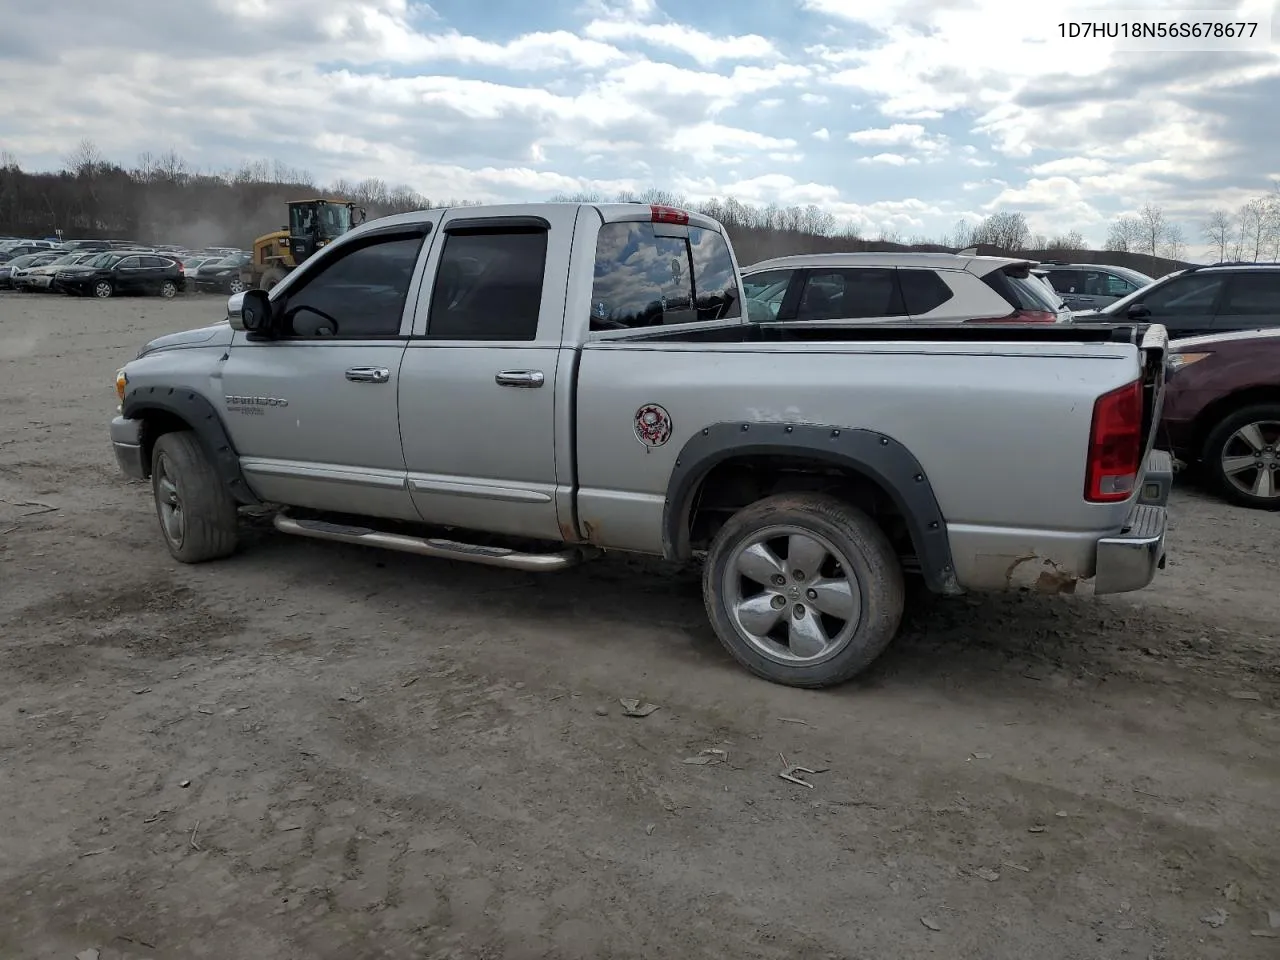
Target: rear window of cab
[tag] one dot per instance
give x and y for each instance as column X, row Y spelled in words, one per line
column 645, row 276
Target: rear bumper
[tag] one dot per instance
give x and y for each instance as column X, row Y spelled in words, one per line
column 126, row 440
column 1129, row 560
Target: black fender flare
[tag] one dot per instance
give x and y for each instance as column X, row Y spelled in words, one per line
column 880, row 458
column 195, row 409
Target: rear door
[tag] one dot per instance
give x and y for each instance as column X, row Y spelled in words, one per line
column 846, row 293
column 478, row 384
column 1251, row 301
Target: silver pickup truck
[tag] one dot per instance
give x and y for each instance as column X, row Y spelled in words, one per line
column 526, row 386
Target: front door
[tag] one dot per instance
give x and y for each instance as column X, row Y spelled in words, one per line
column 479, row 383
column 1187, row 304
column 313, row 414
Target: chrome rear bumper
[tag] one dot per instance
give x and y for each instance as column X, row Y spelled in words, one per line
column 1129, row 560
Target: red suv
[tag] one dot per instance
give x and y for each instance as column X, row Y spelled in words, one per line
column 1222, row 412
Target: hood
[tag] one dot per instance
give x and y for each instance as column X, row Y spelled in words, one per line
column 215, row 334
column 1210, row 339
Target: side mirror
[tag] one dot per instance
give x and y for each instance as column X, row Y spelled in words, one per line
column 1138, row 312
column 255, row 312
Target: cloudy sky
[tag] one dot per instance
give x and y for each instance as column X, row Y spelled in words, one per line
column 899, row 115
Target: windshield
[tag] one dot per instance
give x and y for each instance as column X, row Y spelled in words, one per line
column 25, row 260
column 328, row 220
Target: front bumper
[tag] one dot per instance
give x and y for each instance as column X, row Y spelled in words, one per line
column 126, row 440
column 1129, row 560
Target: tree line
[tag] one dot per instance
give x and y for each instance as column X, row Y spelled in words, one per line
column 162, row 198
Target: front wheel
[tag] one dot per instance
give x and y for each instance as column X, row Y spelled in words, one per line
column 196, row 512
column 168, row 289
column 103, row 289
column 803, row 589
column 1241, row 456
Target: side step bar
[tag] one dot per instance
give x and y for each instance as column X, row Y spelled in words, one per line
column 434, row 547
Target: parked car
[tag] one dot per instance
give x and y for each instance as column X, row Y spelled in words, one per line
column 16, row 248
column 17, row 263
column 1202, row 300
column 1090, row 286
column 114, row 273
column 86, row 245
column 549, row 380
column 193, row 262
column 1222, row 413
column 20, row 277
column 220, row 276
column 930, row 287
column 41, row 278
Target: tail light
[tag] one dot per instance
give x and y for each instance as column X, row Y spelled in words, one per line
column 661, row 214
column 1115, row 445
column 1021, row 316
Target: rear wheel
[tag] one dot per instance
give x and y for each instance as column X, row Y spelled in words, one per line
column 103, row 289
column 196, row 512
column 1241, row 456
column 803, row 589
column 237, row 286
column 168, row 289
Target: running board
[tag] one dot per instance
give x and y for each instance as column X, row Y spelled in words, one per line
column 434, row 547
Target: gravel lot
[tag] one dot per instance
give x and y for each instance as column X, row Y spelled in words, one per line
column 318, row 751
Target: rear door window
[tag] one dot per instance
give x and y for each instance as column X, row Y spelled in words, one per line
column 851, row 294
column 1252, row 295
column 643, row 279
column 1022, row 290
column 1067, row 281
column 1189, row 295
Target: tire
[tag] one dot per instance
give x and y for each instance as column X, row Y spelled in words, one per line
column 206, row 525
column 272, row 277
column 868, row 567
column 168, row 289
column 236, row 286
column 1251, row 433
column 102, row 289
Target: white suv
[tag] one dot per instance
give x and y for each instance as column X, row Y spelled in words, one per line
column 929, row 287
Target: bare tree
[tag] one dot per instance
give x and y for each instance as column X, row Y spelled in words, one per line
column 1175, row 244
column 1040, row 241
column 1155, row 228
column 1070, row 241
column 1006, row 230
column 1256, row 228
column 85, row 160
column 1125, row 235
column 1217, row 229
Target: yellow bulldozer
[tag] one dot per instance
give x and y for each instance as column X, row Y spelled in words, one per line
column 312, row 224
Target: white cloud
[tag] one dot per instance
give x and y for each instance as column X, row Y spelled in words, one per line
column 890, row 159
column 702, row 47
column 822, row 133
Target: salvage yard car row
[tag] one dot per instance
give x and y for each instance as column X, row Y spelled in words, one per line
column 112, row 273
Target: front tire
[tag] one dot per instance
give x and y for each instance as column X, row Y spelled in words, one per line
column 196, row 512
column 1241, row 456
column 803, row 589
column 103, row 289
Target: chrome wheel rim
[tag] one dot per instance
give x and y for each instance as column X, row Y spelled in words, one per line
column 169, row 503
column 102, row 289
column 168, row 289
column 792, row 595
column 1250, row 459
column 237, row 286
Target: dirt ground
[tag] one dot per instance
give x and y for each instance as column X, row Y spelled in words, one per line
column 317, row 751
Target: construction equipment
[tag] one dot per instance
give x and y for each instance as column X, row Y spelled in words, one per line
column 312, row 224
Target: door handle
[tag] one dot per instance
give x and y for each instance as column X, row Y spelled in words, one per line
column 520, row 378
column 368, row 374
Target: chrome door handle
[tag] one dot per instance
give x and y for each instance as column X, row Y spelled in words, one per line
column 520, row 378
column 368, row 374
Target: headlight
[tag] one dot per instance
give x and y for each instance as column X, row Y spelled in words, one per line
column 122, row 381
column 1179, row 360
